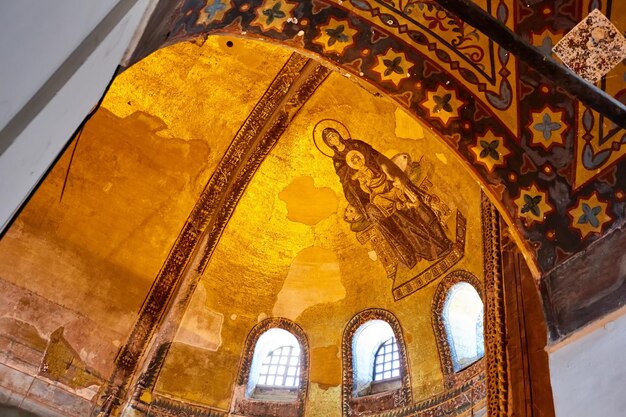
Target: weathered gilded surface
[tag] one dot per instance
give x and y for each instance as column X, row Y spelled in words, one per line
column 538, row 151
column 316, row 273
column 292, row 86
column 85, row 261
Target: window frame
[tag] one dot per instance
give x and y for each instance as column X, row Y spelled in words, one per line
column 394, row 349
column 286, row 400
column 453, row 378
column 284, row 375
column 400, row 394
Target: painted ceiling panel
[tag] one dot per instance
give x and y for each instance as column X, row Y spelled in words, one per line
column 549, row 146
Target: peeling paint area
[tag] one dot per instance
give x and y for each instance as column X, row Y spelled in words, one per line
column 406, row 126
column 314, row 278
column 307, row 203
column 326, row 367
column 201, row 327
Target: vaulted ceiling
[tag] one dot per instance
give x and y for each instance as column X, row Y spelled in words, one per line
column 553, row 149
column 201, row 180
column 204, row 172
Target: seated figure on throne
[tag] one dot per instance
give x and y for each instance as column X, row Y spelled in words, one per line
column 381, row 195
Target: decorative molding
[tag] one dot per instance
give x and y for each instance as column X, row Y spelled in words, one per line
column 240, row 404
column 269, row 135
column 438, row 268
column 401, row 397
column 468, row 397
column 162, row 406
column 452, row 378
column 147, row 380
column 495, row 327
column 290, row 89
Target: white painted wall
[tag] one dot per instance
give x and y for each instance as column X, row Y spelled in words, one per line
column 36, row 37
column 588, row 372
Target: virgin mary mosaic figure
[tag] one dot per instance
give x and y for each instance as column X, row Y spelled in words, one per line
column 385, row 203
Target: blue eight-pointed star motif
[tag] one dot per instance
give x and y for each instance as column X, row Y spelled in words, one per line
column 590, row 215
column 547, row 126
column 213, row 9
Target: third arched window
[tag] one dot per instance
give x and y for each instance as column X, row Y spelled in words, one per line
column 463, row 320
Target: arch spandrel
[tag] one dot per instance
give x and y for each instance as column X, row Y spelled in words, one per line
column 541, row 185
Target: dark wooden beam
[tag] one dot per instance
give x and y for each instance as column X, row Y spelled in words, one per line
column 571, row 300
column 553, row 71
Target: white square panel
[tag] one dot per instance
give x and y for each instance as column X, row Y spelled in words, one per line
column 593, row 47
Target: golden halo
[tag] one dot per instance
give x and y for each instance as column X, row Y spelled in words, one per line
column 317, row 135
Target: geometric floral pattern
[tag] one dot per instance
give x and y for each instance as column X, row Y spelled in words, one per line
column 599, row 144
column 590, row 215
column 461, row 50
column 393, row 66
column 213, row 11
column 443, row 104
column 532, row 204
column 273, row 14
column 547, row 128
column 490, row 151
column 545, row 41
column 336, row 36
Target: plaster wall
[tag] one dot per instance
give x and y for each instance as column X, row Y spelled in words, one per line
column 33, row 50
column 589, row 373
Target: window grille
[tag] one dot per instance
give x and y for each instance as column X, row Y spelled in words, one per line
column 387, row 361
column 281, row 368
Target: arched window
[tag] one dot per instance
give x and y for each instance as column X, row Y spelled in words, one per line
column 458, row 323
column 275, row 370
column 463, row 318
column 375, row 369
column 273, row 377
column 375, row 354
